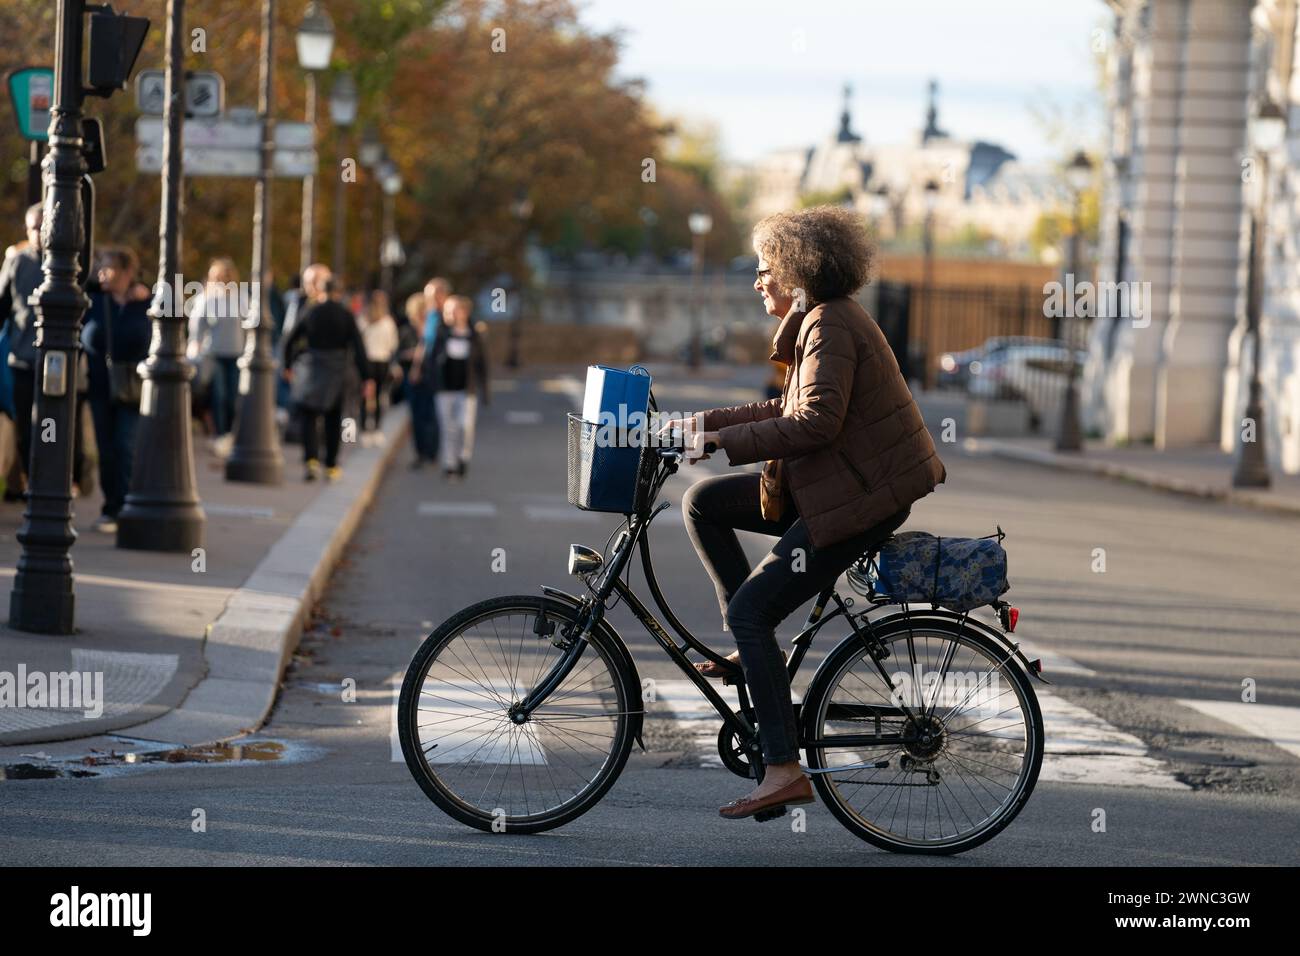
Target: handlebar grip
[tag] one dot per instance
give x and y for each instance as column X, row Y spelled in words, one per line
column 710, row 447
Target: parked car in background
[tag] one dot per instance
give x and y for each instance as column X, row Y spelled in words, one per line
column 955, row 367
column 1036, row 374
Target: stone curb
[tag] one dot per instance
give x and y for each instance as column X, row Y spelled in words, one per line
column 1151, row 479
column 249, row 645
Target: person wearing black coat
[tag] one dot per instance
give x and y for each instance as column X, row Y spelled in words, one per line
column 116, row 332
column 316, row 355
column 459, row 359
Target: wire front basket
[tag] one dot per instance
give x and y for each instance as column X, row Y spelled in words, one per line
column 610, row 470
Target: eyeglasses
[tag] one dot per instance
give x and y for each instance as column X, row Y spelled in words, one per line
column 759, row 273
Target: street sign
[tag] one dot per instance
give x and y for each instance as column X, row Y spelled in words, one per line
column 205, row 92
column 32, row 91
column 219, row 161
column 229, row 147
column 225, row 133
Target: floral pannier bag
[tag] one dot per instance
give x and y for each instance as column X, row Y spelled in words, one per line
column 957, row 573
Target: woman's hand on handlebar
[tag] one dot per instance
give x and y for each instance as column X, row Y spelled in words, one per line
column 689, row 435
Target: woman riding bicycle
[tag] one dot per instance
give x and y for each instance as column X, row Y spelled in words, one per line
column 845, row 454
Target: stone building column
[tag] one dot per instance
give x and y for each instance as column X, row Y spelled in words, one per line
column 1213, row 85
column 1159, row 30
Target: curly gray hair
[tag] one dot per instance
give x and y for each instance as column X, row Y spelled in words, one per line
column 824, row 250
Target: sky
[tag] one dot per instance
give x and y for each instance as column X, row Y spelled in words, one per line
column 771, row 74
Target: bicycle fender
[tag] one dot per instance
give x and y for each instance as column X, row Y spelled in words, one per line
column 981, row 627
column 619, row 647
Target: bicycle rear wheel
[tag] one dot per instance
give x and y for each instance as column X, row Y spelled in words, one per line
column 938, row 759
column 496, row 770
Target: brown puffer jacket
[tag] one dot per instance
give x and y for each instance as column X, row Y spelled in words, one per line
column 846, row 436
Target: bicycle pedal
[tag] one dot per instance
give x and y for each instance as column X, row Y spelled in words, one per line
column 765, row 815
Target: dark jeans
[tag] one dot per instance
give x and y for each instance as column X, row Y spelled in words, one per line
column 24, row 396
column 225, row 392
column 311, row 422
column 370, row 419
column 115, row 427
column 424, row 420
column 25, row 386
column 755, row 602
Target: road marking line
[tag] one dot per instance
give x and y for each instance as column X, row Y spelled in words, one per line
column 523, row 418
column 1280, row 726
column 1084, row 748
column 558, row 513
column 694, row 715
column 457, row 509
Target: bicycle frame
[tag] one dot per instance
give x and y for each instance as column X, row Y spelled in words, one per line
column 609, row 582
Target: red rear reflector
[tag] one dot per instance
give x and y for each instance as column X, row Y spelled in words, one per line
column 1013, row 615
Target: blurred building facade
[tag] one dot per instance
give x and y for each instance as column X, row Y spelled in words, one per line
column 980, row 183
column 1184, row 76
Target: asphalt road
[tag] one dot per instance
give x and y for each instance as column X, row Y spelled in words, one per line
column 1145, row 715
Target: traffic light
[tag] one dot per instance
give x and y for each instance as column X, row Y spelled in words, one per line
column 115, row 40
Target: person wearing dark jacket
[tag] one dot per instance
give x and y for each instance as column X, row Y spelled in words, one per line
column 316, row 356
column 116, row 332
column 19, row 278
column 845, row 452
column 459, row 361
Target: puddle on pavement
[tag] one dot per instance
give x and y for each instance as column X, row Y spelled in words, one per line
column 98, row 762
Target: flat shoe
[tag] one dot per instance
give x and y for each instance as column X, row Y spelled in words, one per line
column 793, row 793
column 729, row 674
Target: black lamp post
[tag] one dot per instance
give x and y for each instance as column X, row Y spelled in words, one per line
column 370, row 153
column 162, row 511
column 1070, row 436
column 931, row 199
column 1267, row 131
column 700, row 224
column 256, row 455
column 390, row 250
column 42, row 598
column 315, row 45
column 343, row 112
column 521, row 209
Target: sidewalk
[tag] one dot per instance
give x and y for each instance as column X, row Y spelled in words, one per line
column 1203, row 472
column 192, row 652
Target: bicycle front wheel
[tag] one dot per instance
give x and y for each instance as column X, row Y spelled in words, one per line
column 939, row 753
column 476, row 756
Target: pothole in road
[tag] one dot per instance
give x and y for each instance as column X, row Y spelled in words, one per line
column 101, row 763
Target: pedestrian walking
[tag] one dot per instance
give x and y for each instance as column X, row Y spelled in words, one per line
column 325, row 340
column 460, row 361
column 380, row 335
column 19, row 278
column 410, row 328
column 116, row 337
column 217, row 333
column 424, row 379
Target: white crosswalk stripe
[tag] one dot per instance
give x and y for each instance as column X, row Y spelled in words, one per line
column 1278, row 725
column 1081, row 746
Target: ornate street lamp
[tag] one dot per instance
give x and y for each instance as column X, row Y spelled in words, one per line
column 521, row 208
column 162, row 510
column 390, row 180
column 1070, row 436
column 701, row 224
column 256, row 455
column 1267, row 131
column 315, row 46
column 343, row 113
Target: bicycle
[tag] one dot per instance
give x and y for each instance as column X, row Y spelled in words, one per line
column 518, row 713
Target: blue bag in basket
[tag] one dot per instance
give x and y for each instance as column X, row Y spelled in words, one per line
column 606, row 445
